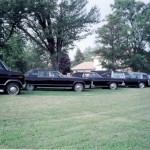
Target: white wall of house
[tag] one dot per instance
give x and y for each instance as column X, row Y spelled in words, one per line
column 97, row 64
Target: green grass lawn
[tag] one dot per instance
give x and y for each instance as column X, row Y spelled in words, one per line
column 94, row 119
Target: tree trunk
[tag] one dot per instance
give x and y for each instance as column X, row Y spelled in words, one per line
column 54, row 62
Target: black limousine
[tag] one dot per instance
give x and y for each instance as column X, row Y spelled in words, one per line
column 99, row 81
column 10, row 81
column 54, row 79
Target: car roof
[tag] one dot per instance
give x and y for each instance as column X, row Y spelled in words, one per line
column 43, row 70
column 138, row 73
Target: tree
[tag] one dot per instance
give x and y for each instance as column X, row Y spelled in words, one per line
column 64, row 63
column 78, row 58
column 129, row 24
column 11, row 13
column 38, row 57
column 55, row 25
column 14, row 53
column 135, row 17
column 110, row 36
column 88, row 54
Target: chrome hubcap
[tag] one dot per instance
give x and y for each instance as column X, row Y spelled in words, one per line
column 78, row 88
column 113, row 86
column 141, row 85
column 13, row 89
column 30, row 87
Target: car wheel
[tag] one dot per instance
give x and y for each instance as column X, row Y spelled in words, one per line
column 141, row 85
column 12, row 89
column 113, row 86
column 78, row 87
column 30, row 87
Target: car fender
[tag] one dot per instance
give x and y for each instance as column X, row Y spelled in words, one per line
column 79, row 82
column 13, row 80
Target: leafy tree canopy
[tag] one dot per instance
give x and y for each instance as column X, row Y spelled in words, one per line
column 53, row 25
column 124, row 38
column 14, row 53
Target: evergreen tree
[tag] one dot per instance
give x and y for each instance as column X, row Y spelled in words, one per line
column 78, row 58
column 88, row 54
column 64, row 64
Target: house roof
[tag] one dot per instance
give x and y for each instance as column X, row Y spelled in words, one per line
column 89, row 65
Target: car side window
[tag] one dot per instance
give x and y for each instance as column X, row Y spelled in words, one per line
column 127, row 76
column 118, row 75
column 137, row 76
column 87, row 75
column 145, row 77
column 55, row 74
column 74, row 75
column 106, row 75
column 43, row 74
column 78, row 74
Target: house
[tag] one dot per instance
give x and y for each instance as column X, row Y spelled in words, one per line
column 88, row 66
column 84, row 66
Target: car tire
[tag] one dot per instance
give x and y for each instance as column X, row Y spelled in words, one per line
column 78, row 87
column 141, row 85
column 12, row 89
column 30, row 87
column 113, row 86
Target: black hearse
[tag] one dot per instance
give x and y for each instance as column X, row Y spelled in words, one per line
column 128, row 79
column 10, row 81
column 98, row 80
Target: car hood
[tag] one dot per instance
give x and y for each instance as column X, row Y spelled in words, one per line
column 14, row 73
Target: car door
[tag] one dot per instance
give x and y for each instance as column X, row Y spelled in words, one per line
column 43, row 79
column 129, row 81
column 103, row 82
column 31, row 77
column 145, row 77
column 58, row 80
column 3, row 75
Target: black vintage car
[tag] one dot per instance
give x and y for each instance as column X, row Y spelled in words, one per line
column 10, row 81
column 129, row 78
column 100, row 81
column 54, row 79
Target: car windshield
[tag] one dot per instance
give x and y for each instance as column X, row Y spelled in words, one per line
column 27, row 73
column 5, row 66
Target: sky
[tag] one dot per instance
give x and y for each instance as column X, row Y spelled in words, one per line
column 105, row 9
